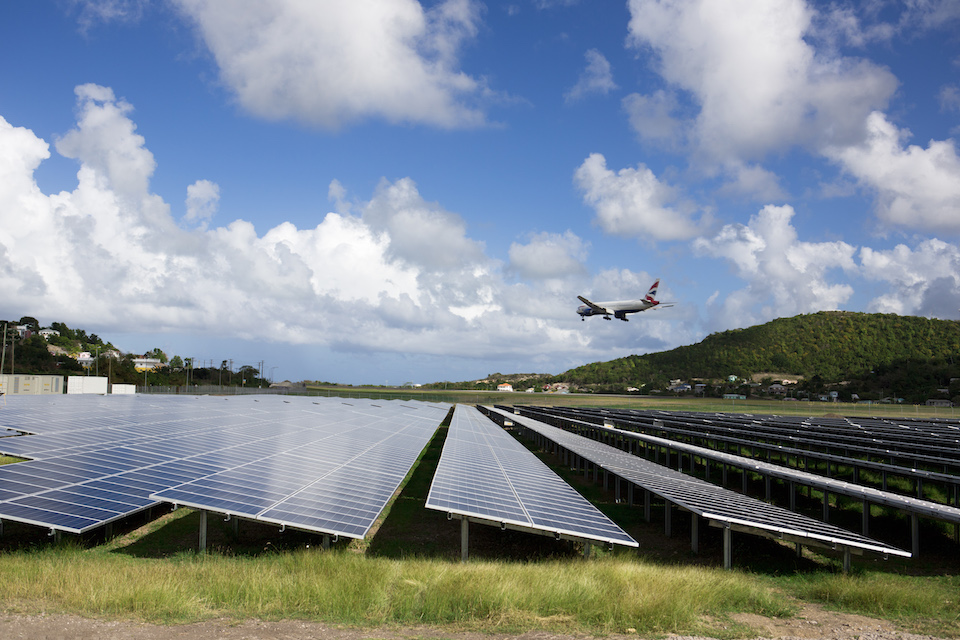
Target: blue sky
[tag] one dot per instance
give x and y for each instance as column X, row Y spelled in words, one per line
column 387, row 191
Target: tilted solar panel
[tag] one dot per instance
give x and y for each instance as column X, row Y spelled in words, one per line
column 95, row 459
column 484, row 473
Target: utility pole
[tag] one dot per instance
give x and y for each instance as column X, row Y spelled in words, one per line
column 3, row 356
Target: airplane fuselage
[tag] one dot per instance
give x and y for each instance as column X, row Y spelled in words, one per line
column 617, row 308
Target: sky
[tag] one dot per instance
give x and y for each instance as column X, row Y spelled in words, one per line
column 393, row 191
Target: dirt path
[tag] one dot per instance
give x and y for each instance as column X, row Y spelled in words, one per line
column 813, row 622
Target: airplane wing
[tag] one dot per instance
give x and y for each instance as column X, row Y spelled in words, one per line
column 596, row 308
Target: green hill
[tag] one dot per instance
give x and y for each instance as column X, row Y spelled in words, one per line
column 830, row 346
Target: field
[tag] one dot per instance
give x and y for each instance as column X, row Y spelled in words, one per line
column 665, row 403
column 407, row 574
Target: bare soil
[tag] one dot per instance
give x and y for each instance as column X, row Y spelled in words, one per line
column 812, row 622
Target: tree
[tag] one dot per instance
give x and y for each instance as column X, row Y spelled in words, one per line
column 176, row 363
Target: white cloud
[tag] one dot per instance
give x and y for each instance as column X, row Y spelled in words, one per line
column 331, row 62
column 759, row 85
column 549, row 256
column 203, row 200
column 92, row 12
column 652, row 118
column 632, row 202
column 915, row 187
column 401, row 277
column 950, row 98
column 924, row 280
column 421, row 233
column 754, row 181
column 784, row 276
column 596, row 78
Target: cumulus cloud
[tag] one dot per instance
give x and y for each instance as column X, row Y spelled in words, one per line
column 549, row 256
column 203, row 200
column 924, row 280
column 651, row 117
column 915, row 187
column 400, row 276
column 332, row 62
column 760, row 86
column 596, row 78
column 784, row 276
column 633, row 202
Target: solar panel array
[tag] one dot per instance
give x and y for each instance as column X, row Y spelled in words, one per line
column 320, row 464
column 709, row 501
column 901, row 442
column 870, row 494
column 485, row 473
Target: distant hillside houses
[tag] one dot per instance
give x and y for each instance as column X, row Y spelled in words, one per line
column 147, row 364
column 506, row 387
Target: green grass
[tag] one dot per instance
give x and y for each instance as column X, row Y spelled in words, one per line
column 598, row 596
column 929, row 605
column 665, row 403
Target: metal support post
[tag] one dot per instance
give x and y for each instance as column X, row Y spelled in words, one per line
column 667, row 518
column 865, row 506
column 694, row 532
column 326, row 541
column 203, row 531
column 915, row 534
column 646, row 505
column 826, row 506
column 464, row 539
column 727, row 548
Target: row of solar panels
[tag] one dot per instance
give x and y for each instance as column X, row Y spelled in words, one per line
column 717, row 505
column 323, row 465
column 935, row 443
column 800, row 441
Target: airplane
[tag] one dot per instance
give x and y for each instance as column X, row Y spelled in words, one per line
column 620, row 308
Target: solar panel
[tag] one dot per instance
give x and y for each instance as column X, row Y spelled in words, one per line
column 317, row 464
column 709, row 501
column 484, row 474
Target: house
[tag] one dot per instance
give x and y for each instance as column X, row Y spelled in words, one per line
column 146, row 364
column 506, row 387
column 938, row 402
column 777, row 389
column 47, row 333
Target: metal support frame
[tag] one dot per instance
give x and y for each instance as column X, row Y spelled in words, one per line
column 694, row 533
column 464, row 539
column 203, row 531
column 727, row 548
column 915, row 534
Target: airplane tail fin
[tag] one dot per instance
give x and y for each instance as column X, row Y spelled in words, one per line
column 652, row 293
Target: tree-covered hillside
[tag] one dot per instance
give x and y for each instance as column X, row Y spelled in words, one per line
column 831, row 346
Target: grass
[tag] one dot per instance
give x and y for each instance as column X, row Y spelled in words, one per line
column 600, row 596
column 929, row 605
column 665, row 403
